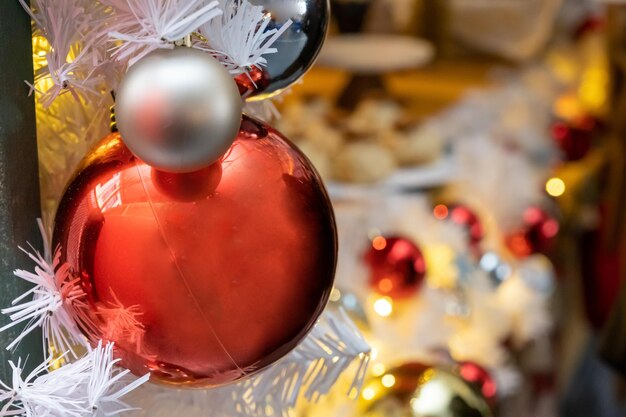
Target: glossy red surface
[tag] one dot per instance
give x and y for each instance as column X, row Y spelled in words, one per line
column 537, row 235
column 249, row 83
column 465, row 217
column 481, row 379
column 575, row 138
column 397, row 266
column 207, row 277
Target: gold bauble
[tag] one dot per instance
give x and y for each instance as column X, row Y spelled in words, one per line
column 416, row 390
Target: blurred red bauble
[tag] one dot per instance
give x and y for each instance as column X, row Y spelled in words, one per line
column 200, row 278
column 256, row 79
column 537, row 235
column 588, row 25
column 463, row 216
column 575, row 139
column 481, row 379
column 397, row 266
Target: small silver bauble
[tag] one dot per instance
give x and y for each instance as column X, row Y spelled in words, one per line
column 538, row 273
column 178, row 110
column 498, row 270
column 298, row 46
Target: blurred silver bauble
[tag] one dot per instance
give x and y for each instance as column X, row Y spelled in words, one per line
column 538, row 273
column 498, row 270
column 297, row 47
column 178, row 110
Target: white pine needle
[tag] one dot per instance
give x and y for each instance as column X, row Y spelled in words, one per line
column 309, row 371
column 106, row 385
column 51, row 306
column 25, row 396
column 91, row 386
column 71, row 59
column 145, row 25
column 241, row 38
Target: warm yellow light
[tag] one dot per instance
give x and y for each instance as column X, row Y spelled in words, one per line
column 41, row 47
column 555, row 187
column 335, row 295
column 57, row 360
column 441, row 266
column 378, row 369
column 388, row 381
column 368, row 393
column 383, row 306
column 568, row 107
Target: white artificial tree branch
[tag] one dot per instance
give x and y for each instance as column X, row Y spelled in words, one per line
column 143, row 26
column 309, row 372
column 54, row 296
column 92, row 386
column 240, row 38
column 72, row 58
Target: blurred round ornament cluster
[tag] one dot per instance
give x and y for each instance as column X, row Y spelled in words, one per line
column 419, row 390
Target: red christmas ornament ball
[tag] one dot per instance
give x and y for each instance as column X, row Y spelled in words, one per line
column 397, row 266
column 575, row 138
column 481, row 379
column 463, row 216
column 537, row 235
column 200, row 278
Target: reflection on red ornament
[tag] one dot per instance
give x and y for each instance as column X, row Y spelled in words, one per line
column 481, row 379
column 537, row 235
column 397, row 266
column 253, row 80
column 201, row 278
column 463, row 216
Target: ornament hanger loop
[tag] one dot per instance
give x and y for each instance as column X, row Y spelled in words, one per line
column 186, row 41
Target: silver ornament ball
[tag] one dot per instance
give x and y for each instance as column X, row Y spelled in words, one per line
column 178, row 110
column 498, row 270
column 298, row 46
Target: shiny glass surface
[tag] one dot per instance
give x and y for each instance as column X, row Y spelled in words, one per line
column 397, row 267
column 298, row 46
column 200, row 278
